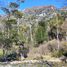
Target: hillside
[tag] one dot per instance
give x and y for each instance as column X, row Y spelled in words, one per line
column 27, row 31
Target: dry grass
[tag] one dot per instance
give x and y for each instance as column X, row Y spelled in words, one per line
column 46, row 49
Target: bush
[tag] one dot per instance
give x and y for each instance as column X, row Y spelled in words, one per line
column 65, row 53
column 51, row 48
column 9, row 57
column 38, row 58
column 41, row 34
column 12, row 56
column 58, row 53
column 1, row 52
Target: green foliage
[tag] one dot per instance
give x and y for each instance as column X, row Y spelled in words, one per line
column 11, row 21
column 42, row 23
column 56, row 20
column 13, row 5
column 1, row 52
column 6, row 10
column 1, row 38
column 38, row 58
column 39, row 31
column 58, row 53
column 41, row 35
column 7, row 43
column 17, row 13
column 22, row 37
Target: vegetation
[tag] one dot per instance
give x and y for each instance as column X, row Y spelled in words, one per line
column 20, row 32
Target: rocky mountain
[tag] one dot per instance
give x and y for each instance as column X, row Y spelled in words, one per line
column 39, row 9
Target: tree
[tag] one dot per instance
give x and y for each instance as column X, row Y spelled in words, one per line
column 64, row 27
column 30, row 23
column 11, row 9
column 41, row 33
column 56, row 23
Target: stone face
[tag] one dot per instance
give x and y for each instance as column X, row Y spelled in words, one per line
column 38, row 9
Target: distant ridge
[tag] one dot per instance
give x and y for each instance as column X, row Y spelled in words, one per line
column 40, row 9
column 33, row 9
column 64, row 8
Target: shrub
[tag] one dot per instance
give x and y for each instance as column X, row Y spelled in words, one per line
column 1, row 52
column 41, row 35
column 58, row 53
column 38, row 58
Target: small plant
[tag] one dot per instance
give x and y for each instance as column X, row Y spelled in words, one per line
column 38, row 58
column 58, row 53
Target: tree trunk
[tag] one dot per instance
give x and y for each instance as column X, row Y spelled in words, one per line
column 57, row 32
column 58, row 38
column 31, row 37
column 18, row 25
column 3, row 52
column 8, row 33
column 66, row 36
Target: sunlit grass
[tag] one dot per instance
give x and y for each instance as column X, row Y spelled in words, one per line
column 1, row 52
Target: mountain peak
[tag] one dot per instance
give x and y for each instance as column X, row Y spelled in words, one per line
column 38, row 9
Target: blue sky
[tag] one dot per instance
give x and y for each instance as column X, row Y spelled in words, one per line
column 32, row 3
